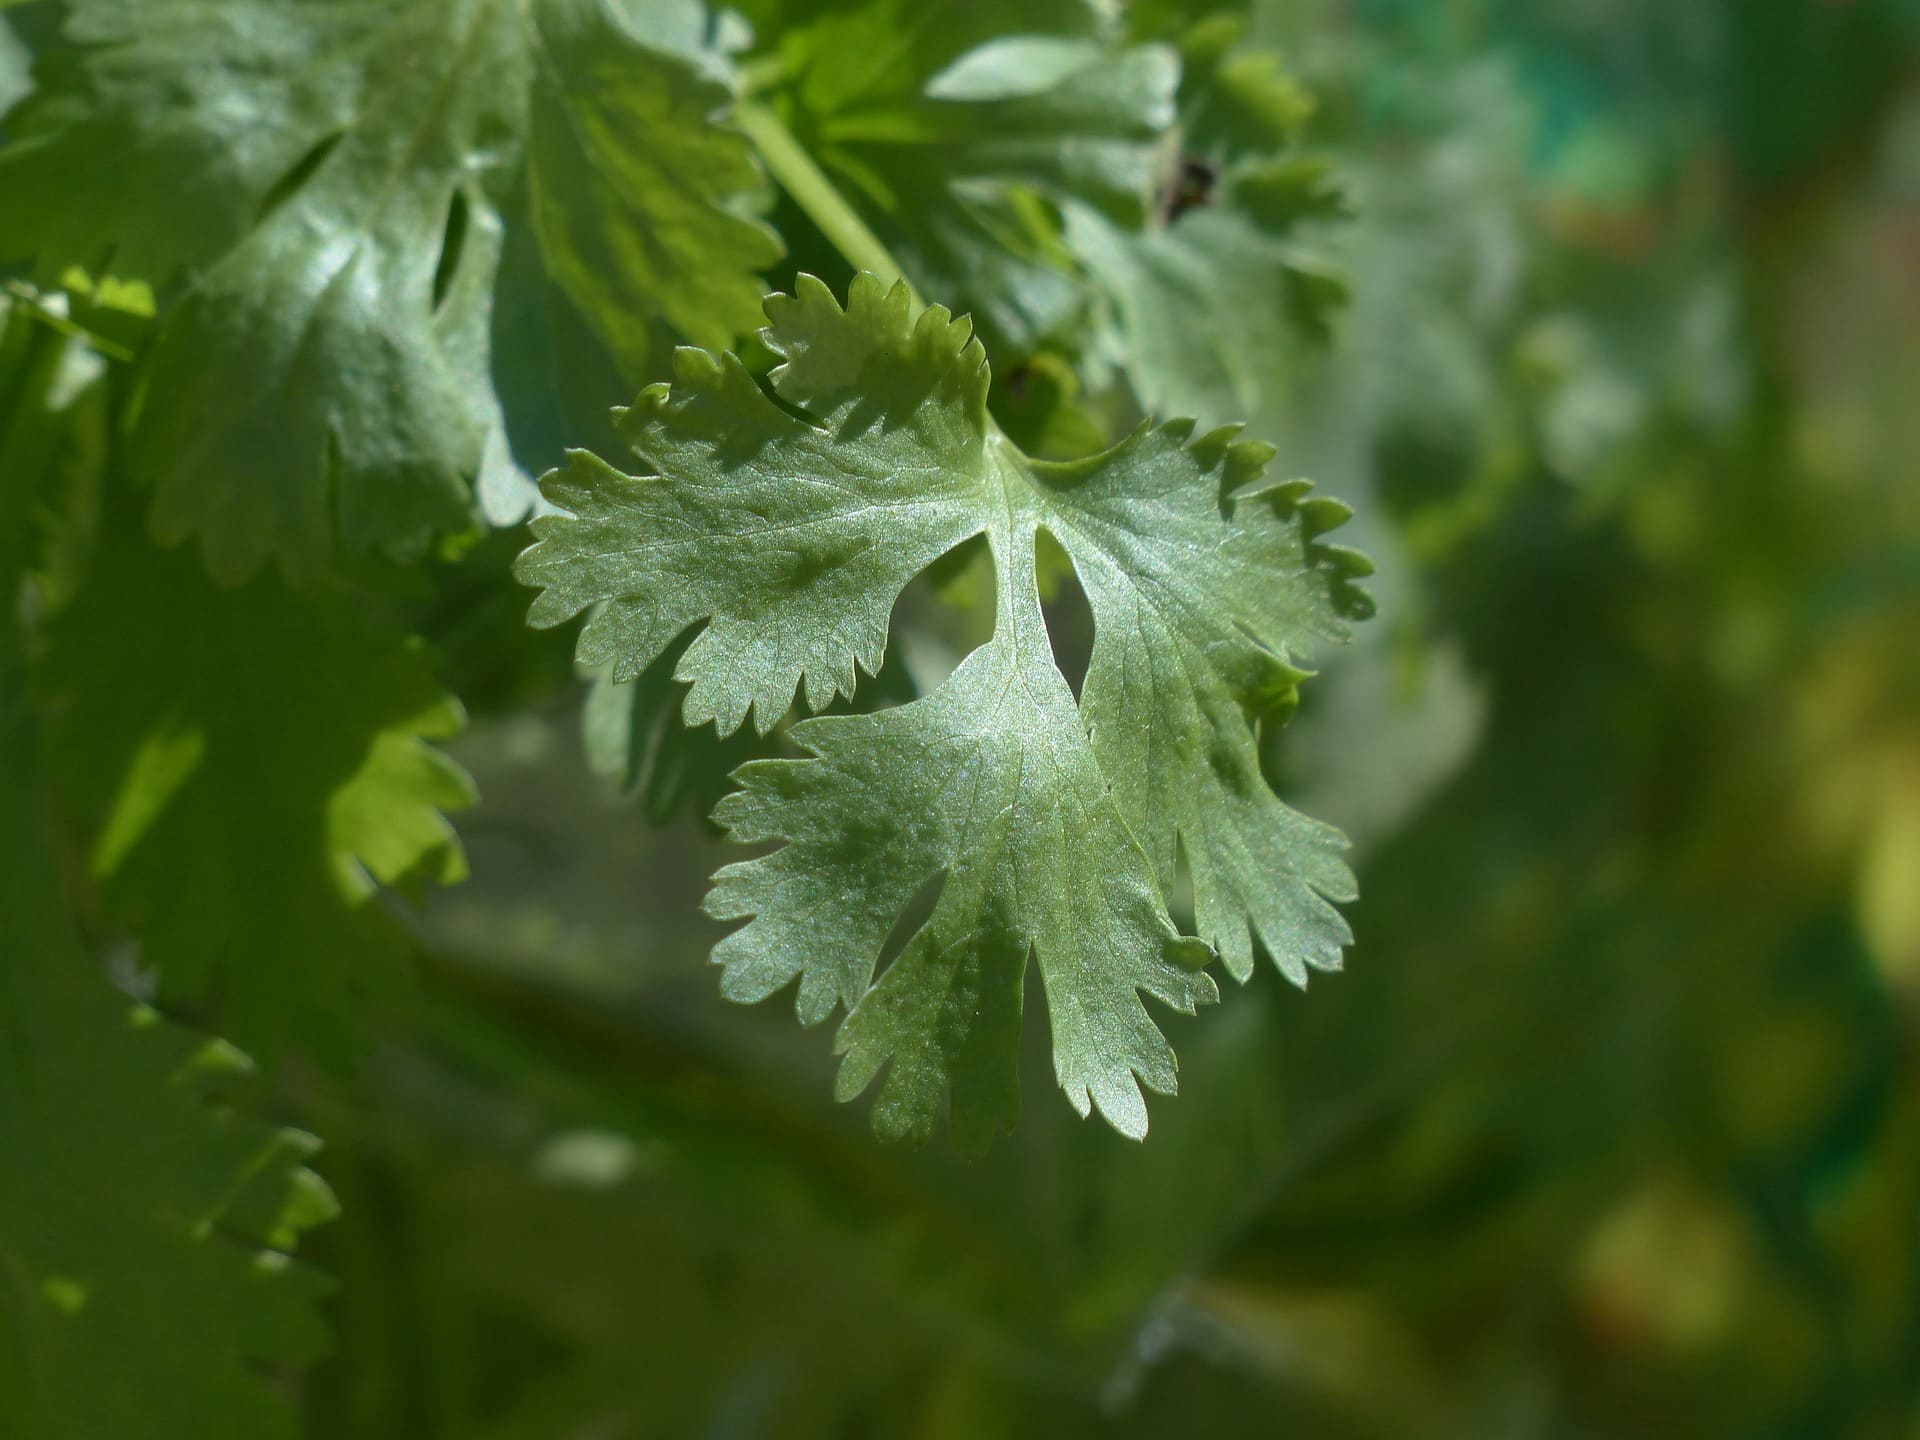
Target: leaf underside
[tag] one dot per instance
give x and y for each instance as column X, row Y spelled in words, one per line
column 786, row 525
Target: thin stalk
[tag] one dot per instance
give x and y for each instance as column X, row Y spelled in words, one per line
column 790, row 165
column 48, row 312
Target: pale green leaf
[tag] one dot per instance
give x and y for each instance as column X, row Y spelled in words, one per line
column 16, row 63
column 785, row 529
column 1216, row 310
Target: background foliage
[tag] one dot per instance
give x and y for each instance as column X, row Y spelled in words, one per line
column 1602, row 316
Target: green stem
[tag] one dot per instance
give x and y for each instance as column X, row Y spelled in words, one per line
column 762, row 73
column 789, row 163
column 48, row 314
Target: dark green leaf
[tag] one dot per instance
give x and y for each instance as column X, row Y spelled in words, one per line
column 326, row 375
column 256, row 765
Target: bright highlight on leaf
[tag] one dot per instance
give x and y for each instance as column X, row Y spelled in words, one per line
column 325, row 379
column 786, row 524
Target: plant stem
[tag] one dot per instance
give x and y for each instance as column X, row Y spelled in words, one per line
column 789, row 164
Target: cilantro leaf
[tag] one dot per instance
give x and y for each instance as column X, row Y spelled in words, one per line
column 1050, row 177
column 787, row 525
column 960, row 147
column 1207, row 310
column 1210, row 307
column 855, row 52
column 326, row 375
column 256, row 765
column 632, row 182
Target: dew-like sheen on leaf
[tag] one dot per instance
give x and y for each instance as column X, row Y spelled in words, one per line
column 790, row 525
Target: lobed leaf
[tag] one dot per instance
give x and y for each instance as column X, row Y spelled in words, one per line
column 326, row 375
column 783, row 522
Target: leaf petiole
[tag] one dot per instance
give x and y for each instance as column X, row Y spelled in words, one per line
column 794, row 169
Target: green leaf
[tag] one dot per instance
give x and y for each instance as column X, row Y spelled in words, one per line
column 630, row 229
column 1211, row 313
column 255, row 765
column 1213, row 308
column 959, row 148
column 326, row 375
column 1043, row 177
column 142, row 1280
column 144, row 1286
column 788, row 524
column 851, row 54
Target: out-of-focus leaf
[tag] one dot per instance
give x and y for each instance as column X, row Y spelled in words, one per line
column 325, row 375
column 16, row 68
column 959, row 151
column 255, row 765
column 143, row 1276
column 1215, row 310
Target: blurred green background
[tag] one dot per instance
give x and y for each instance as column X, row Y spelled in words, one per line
column 1612, row 1125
